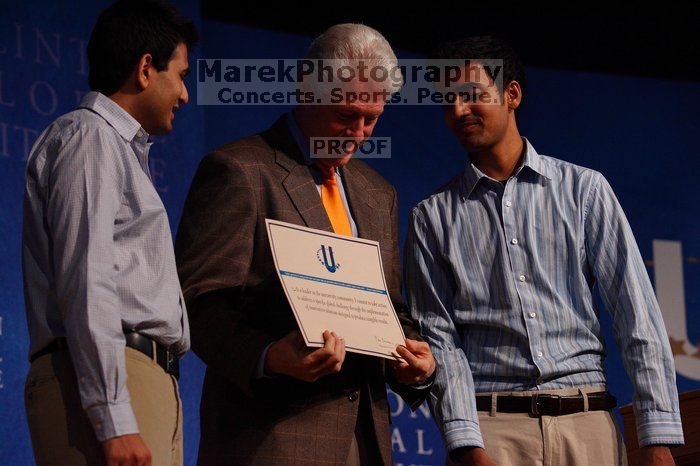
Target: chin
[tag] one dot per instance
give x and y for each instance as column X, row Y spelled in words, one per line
column 342, row 161
column 161, row 130
column 472, row 143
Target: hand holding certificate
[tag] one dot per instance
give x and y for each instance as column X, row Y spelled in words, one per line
column 336, row 283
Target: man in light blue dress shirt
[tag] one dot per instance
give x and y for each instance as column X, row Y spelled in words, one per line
column 500, row 267
column 106, row 316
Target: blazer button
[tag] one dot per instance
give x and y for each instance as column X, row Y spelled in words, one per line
column 352, row 396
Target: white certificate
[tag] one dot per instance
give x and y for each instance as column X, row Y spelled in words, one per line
column 336, row 283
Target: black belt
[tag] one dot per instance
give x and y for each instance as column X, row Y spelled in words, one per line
column 165, row 359
column 547, row 405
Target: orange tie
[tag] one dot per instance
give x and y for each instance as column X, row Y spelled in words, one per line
column 333, row 203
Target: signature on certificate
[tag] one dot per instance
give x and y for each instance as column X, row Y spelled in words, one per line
column 384, row 342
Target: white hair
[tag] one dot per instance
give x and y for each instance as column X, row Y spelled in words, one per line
column 349, row 42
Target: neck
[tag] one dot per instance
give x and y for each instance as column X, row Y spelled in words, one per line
column 126, row 102
column 502, row 159
column 326, row 168
column 301, row 123
column 326, row 165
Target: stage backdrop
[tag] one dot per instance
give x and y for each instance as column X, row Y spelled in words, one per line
column 638, row 132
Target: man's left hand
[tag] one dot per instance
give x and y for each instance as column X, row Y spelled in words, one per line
column 418, row 363
column 656, row 455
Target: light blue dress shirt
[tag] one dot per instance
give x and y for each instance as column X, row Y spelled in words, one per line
column 97, row 254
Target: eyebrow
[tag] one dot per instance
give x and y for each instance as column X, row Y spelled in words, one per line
column 473, row 84
column 358, row 111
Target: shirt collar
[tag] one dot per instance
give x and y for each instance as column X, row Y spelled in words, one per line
column 125, row 124
column 533, row 161
column 299, row 138
column 304, row 147
column 536, row 162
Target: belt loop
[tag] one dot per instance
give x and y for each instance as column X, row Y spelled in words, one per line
column 155, row 351
column 585, row 400
column 494, row 404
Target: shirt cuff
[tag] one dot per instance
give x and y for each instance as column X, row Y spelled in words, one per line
column 427, row 383
column 112, row 420
column 422, row 385
column 462, row 434
column 260, row 368
column 659, row 428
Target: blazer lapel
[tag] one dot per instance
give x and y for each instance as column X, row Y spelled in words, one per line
column 303, row 192
column 362, row 204
column 299, row 184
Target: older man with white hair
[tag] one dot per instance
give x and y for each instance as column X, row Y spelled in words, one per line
column 267, row 399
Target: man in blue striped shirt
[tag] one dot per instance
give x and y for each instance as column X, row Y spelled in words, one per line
column 500, row 269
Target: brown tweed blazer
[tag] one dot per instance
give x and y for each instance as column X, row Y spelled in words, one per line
column 237, row 307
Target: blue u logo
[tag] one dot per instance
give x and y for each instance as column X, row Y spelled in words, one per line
column 330, row 265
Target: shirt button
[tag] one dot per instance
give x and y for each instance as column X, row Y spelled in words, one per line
column 352, row 396
column 514, row 241
column 508, row 203
column 539, row 354
column 521, row 278
column 532, row 314
column 139, row 134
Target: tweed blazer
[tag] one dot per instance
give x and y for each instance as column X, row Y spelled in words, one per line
column 237, row 306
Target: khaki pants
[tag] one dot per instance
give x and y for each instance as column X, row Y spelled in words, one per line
column 580, row 439
column 61, row 432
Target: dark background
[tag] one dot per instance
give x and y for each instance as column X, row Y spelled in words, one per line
column 640, row 45
column 613, row 92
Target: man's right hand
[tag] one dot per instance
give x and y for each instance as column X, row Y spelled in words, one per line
column 127, row 450
column 471, row 456
column 290, row 356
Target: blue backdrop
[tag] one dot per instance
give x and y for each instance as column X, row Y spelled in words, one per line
column 638, row 132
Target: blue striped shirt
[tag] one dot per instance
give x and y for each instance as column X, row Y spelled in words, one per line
column 500, row 277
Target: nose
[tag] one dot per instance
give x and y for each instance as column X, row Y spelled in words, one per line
column 458, row 109
column 184, row 95
column 356, row 128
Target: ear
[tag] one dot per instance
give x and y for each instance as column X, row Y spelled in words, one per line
column 513, row 95
column 144, row 71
